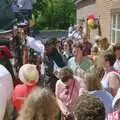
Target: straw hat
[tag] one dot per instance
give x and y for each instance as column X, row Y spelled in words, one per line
column 28, row 74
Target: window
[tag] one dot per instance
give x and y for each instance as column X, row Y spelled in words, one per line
column 115, row 28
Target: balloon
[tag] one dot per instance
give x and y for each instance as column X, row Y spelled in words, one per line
column 90, row 21
column 91, row 17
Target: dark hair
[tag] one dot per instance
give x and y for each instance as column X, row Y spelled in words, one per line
column 65, row 74
column 111, row 58
column 50, row 41
column 116, row 47
column 89, row 107
column 78, row 45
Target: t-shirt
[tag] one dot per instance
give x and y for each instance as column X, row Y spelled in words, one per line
column 19, row 95
column 82, row 67
column 6, row 87
column 105, row 97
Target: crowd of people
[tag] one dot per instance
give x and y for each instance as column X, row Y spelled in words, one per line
column 67, row 78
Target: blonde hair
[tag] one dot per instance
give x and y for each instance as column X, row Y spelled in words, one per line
column 40, row 105
column 92, row 81
column 104, row 44
column 65, row 74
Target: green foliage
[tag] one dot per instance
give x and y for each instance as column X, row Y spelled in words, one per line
column 54, row 14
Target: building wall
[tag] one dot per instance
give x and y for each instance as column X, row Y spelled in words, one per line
column 85, row 11
column 104, row 9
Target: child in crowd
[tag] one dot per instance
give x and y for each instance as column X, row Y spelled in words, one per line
column 67, row 91
column 29, row 75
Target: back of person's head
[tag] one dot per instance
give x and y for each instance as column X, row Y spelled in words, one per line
column 29, row 74
column 89, row 107
column 104, row 44
column 65, row 74
column 92, row 81
column 40, row 105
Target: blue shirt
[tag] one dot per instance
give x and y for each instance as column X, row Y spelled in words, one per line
column 105, row 97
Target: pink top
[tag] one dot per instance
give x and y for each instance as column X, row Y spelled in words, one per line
column 113, row 116
column 67, row 95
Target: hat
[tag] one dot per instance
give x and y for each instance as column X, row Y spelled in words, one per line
column 28, row 74
column 50, row 41
column 116, row 98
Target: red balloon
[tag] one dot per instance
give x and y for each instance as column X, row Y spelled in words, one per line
column 91, row 17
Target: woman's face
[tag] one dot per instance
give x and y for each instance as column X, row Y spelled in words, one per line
column 66, row 46
column 117, row 53
column 76, row 52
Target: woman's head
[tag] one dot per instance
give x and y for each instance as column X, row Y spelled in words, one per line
column 77, row 49
column 109, row 60
column 65, row 74
column 40, row 105
column 66, row 46
column 92, row 81
column 89, row 108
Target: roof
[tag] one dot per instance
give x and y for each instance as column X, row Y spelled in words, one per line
column 77, row 1
column 83, row 3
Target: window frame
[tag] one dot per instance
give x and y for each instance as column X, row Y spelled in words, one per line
column 116, row 29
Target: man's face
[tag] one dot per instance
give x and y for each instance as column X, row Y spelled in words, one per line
column 48, row 49
column 77, row 51
column 117, row 53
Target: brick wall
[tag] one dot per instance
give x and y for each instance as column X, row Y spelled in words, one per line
column 102, row 9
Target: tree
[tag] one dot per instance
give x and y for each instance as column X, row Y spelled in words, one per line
column 55, row 14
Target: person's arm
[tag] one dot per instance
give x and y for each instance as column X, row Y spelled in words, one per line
column 114, row 84
column 62, row 107
column 3, row 102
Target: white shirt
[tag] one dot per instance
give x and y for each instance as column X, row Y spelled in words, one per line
column 76, row 35
column 117, row 65
column 3, row 101
column 108, row 76
column 6, row 87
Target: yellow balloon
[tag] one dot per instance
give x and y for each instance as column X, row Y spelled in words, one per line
column 90, row 22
